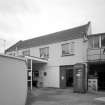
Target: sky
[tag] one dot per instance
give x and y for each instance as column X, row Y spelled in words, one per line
column 25, row 19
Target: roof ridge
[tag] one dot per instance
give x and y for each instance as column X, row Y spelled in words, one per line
column 58, row 31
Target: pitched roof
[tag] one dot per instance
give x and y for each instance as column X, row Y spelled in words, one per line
column 74, row 33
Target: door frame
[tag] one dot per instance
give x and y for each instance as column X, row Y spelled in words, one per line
column 62, row 75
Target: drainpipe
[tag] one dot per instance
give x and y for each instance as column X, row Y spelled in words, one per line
column 86, row 76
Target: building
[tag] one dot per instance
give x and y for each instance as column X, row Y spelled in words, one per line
column 96, row 58
column 13, row 80
column 53, row 56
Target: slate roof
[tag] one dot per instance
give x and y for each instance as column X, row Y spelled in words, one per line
column 69, row 34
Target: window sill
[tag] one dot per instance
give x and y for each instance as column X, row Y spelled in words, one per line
column 94, row 48
column 46, row 58
column 67, row 55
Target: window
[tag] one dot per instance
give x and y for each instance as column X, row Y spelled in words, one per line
column 10, row 54
column 45, row 73
column 90, row 42
column 44, row 52
column 103, row 40
column 93, row 42
column 96, row 42
column 13, row 54
column 26, row 52
column 68, row 49
column 29, row 64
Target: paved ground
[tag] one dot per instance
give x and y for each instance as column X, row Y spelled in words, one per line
column 51, row 96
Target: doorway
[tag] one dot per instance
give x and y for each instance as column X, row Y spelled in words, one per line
column 69, row 77
column 35, row 76
column 66, row 76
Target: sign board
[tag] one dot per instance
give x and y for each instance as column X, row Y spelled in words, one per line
column 92, row 85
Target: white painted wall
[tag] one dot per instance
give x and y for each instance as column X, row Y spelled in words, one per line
column 13, row 81
column 52, row 77
column 55, row 59
column 55, row 52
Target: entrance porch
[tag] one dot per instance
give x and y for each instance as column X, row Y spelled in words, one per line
column 34, row 71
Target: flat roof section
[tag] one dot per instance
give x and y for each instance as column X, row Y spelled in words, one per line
column 36, row 59
column 12, row 57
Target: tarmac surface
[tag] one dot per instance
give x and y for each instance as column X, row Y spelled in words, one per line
column 53, row 96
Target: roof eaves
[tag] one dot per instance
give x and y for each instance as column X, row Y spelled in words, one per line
column 14, row 46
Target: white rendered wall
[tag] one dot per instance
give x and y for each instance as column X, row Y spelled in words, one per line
column 55, row 59
column 13, row 81
column 55, row 52
column 52, row 77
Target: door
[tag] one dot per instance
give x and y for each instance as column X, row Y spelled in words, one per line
column 69, row 77
column 62, row 78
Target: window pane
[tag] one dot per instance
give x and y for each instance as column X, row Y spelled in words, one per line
column 29, row 64
column 96, row 42
column 68, row 49
column 44, row 52
column 103, row 40
column 72, row 48
column 93, row 42
column 65, row 49
column 26, row 53
column 90, row 44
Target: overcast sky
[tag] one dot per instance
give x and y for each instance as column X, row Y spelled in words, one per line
column 24, row 19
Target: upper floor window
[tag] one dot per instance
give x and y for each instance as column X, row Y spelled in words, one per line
column 26, row 52
column 10, row 54
column 103, row 40
column 44, row 52
column 68, row 49
column 13, row 54
column 93, row 42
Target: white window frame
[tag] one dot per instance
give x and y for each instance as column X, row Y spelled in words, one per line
column 70, row 49
column 44, row 52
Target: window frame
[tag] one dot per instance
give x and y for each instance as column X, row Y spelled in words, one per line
column 45, row 73
column 101, row 41
column 93, row 42
column 26, row 52
column 70, row 49
column 46, row 53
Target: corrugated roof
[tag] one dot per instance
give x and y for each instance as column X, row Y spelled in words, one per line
column 69, row 34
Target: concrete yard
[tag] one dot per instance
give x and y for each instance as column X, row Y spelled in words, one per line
column 52, row 96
